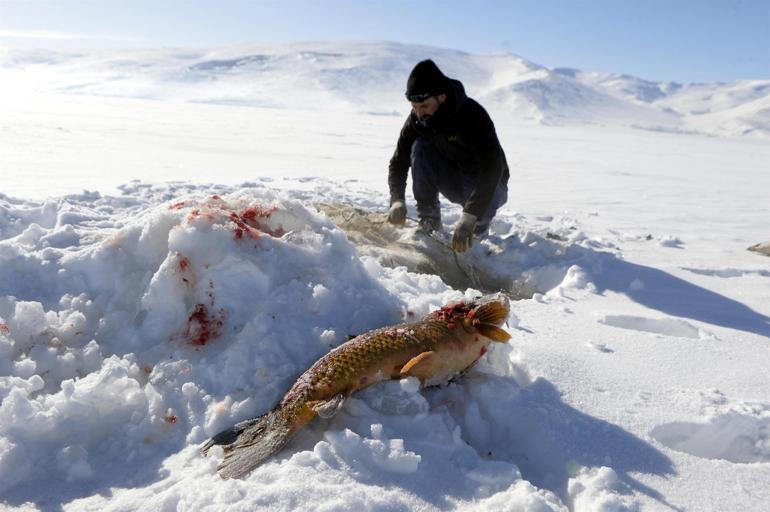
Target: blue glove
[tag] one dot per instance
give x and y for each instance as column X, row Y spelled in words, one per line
column 463, row 237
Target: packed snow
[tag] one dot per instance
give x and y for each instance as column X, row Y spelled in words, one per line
column 183, row 233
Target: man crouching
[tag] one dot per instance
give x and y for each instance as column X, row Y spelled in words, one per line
column 451, row 145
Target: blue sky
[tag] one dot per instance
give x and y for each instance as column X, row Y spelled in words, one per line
column 679, row 40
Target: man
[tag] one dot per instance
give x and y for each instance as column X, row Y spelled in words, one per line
column 451, row 145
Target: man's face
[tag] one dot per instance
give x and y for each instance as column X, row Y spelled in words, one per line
column 424, row 110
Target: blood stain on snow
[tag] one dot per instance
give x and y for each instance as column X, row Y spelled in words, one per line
column 177, row 206
column 4, row 328
column 171, row 418
column 248, row 222
column 202, row 326
column 184, row 263
column 197, row 213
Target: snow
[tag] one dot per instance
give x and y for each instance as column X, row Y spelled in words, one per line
column 368, row 78
column 179, row 240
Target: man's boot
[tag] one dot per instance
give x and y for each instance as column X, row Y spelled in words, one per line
column 482, row 228
column 429, row 224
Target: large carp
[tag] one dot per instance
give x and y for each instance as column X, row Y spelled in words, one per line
column 434, row 349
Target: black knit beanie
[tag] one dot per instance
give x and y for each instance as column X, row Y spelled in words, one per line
column 426, row 79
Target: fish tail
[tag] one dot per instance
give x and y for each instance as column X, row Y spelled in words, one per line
column 250, row 442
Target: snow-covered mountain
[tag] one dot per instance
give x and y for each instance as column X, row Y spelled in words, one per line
column 369, row 77
column 734, row 108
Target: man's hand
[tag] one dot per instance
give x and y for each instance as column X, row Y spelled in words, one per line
column 463, row 237
column 397, row 213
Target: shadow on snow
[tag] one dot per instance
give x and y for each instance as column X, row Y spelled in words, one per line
column 548, row 439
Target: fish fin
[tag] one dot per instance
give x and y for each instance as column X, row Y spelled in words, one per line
column 493, row 312
column 493, row 332
column 413, row 367
column 250, row 442
column 328, row 408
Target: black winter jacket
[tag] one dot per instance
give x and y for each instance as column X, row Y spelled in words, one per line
column 464, row 134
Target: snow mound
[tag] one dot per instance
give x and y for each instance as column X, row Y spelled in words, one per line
column 664, row 326
column 599, row 489
column 739, row 434
column 197, row 313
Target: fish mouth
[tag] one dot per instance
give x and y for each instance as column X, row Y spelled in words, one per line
column 490, row 309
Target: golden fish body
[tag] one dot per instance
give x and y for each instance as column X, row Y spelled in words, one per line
column 434, row 349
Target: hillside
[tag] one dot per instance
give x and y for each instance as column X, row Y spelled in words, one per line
column 369, row 77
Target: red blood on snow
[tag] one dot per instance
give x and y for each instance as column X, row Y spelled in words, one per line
column 247, row 222
column 203, row 327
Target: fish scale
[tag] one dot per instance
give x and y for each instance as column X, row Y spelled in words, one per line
column 368, row 348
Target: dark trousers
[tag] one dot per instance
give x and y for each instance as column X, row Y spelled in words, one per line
column 432, row 173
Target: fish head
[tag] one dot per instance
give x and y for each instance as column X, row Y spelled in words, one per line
column 492, row 309
column 484, row 314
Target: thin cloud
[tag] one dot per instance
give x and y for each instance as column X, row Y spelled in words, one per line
column 41, row 34
column 47, row 34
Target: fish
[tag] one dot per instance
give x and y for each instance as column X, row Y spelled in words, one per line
column 434, row 349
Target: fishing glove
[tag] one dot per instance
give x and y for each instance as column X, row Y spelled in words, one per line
column 463, row 237
column 397, row 213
